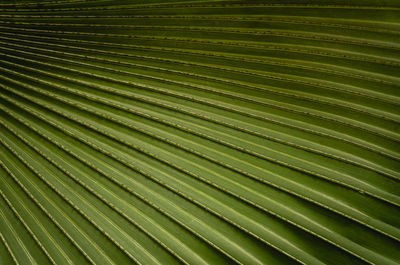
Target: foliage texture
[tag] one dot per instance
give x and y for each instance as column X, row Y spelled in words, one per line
column 200, row 132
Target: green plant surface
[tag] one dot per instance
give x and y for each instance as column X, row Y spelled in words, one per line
column 200, row 132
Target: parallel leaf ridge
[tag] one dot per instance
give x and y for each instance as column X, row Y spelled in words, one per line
column 200, row 132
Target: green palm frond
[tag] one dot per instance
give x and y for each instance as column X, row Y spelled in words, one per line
column 200, row 132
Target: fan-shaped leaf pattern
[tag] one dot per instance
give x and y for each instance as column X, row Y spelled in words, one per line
column 200, row 132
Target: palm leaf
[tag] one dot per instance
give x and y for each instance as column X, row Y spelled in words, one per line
column 200, row 132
